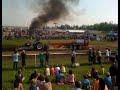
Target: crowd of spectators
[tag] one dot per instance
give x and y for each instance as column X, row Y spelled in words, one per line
column 44, row 34
column 41, row 81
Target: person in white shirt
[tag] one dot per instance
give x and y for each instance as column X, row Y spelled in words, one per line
column 107, row 55
column 15, row 60
column 57, row 69
column 73, row 56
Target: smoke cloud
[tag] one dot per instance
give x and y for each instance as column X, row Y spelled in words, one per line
column 52, row 10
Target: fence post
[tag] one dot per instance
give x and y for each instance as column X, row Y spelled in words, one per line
column 35, row 60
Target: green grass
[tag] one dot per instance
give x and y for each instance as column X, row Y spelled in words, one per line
column 8, row 73
column 7, row 64
column 22, row 41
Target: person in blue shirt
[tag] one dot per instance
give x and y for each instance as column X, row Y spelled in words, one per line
column 85, row 82
column 59, row 78
column 73, row 57
column 107, row 80
column 15, row 60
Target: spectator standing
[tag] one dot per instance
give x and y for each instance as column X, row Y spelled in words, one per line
column 45, row 47
column 73, row 57
column 47, row 58
column 23, row 56
column 110, row 54
column 42, row 58
column 116, row 55
column 90, row 56
column 107, row 55
column 99, row 56
column 114, row 73
column 15, row 60
column 94, row 56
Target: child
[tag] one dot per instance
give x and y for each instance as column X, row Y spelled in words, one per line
column 102, row 70
column 63, row 68
column 52, row 71
column 94, row 73
column 47, row 71
column 70, row 79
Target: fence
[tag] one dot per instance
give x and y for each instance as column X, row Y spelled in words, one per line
column 50, row 54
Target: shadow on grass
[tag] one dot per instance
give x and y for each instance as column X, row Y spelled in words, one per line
column 7, row 69
column 37, row 67
column 10, row 81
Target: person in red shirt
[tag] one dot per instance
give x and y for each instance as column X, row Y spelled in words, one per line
column 52, row 70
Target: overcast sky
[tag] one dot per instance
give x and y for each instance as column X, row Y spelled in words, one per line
column 19, row 13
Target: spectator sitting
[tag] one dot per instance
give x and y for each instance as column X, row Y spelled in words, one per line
column 52, row 71
column 33, row 74
column 34, row 85
column 47, row 71
column 102, row 71
column 85, row 82
column 18, row 84
column 107, row 80
column 70, row 79
column 95, row 84
column 102, row 85
column 57, row 69
column 40, row 81
column 88, row 74
column 63, row 70
column 47, row 84
column 77, row 86
column 94, row 73
column 19, row 74
column 59, row 78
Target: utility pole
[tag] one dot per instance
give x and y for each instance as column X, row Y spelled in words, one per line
column 55, row 25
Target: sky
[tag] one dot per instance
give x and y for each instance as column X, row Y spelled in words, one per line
column 87, row 12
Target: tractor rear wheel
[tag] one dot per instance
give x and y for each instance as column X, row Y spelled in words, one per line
column 38, row 46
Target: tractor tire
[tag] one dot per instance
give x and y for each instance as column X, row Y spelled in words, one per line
column 38, row 46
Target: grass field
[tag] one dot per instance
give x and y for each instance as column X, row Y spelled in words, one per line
column 22, row 41
column 8, row 73
column 7, row 64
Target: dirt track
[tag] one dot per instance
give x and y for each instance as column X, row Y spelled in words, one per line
column 101, row 47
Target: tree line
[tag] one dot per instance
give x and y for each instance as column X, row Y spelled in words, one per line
column 104, row 26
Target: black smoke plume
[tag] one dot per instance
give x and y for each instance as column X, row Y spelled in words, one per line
column 53, row 10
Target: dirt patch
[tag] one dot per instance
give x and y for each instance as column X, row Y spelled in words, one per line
column 101, row 47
